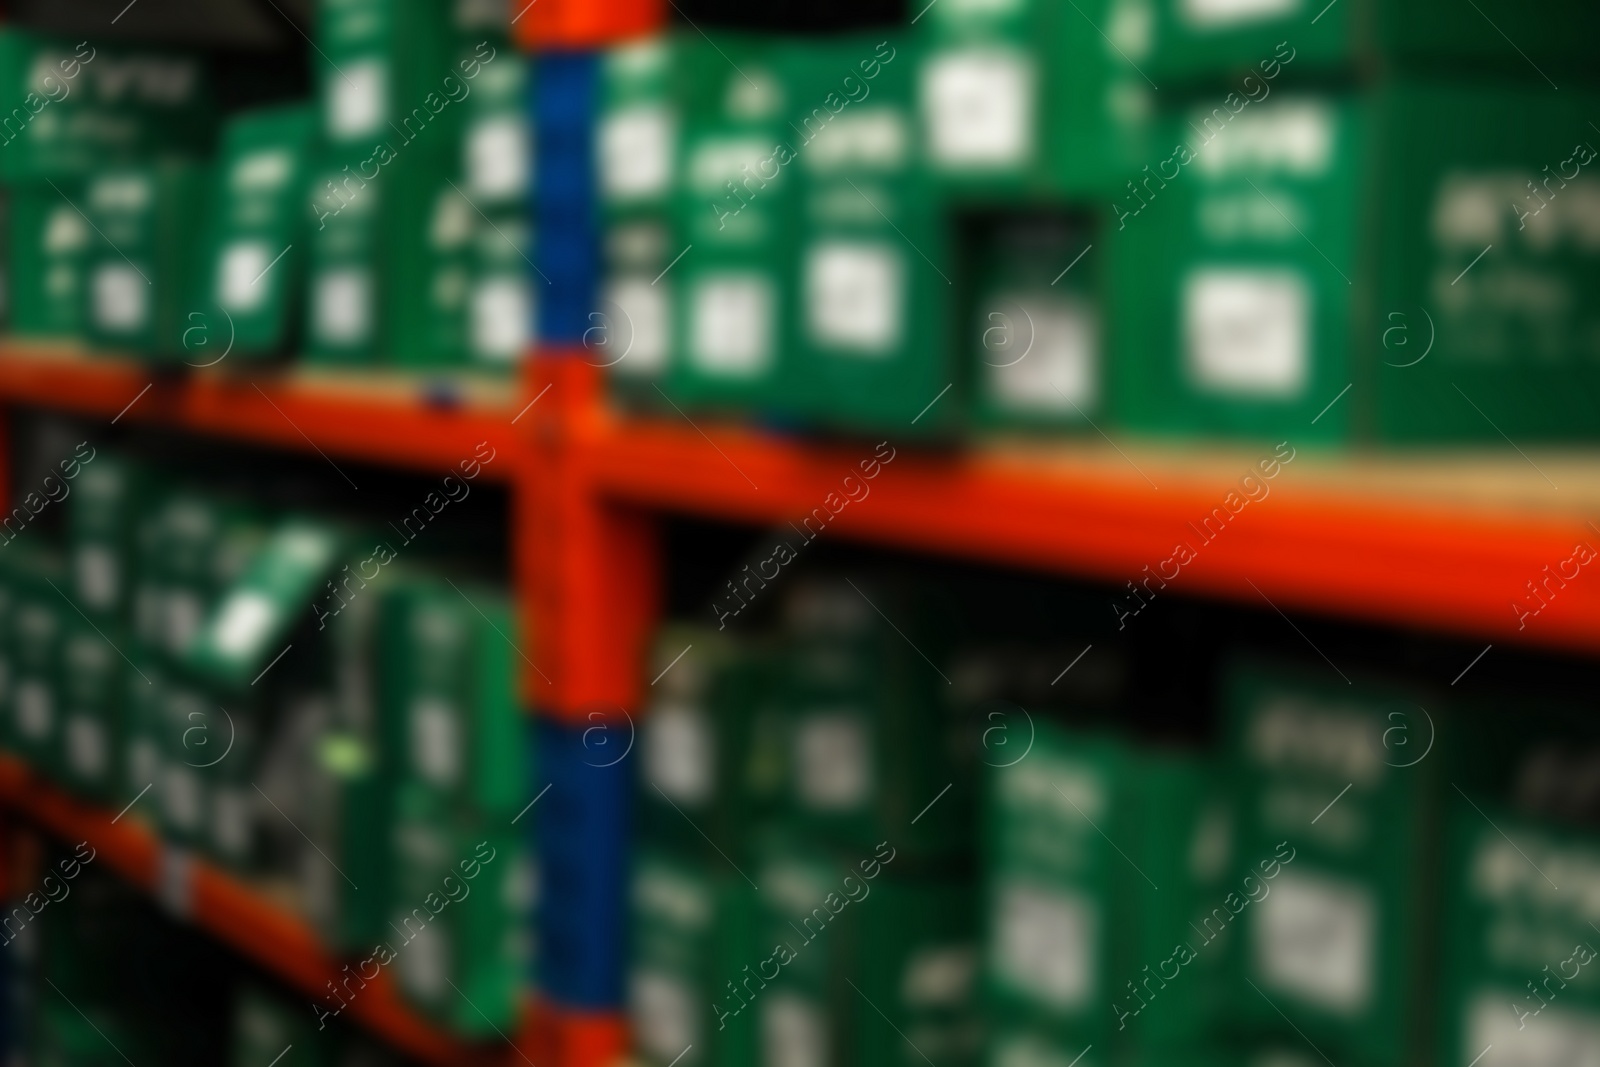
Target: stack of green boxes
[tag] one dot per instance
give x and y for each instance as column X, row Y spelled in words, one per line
column 497, row 179
column 803, row 768
column 709, row 760
column 1292, row 239
column 79, row 114
column 420, row 243
column 462, row 888
column 1101, row 856
column 349, row 739
column 1340, row 946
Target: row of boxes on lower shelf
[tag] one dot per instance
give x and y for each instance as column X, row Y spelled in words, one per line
column 350, row 745
column 1368, row 873
column 100, row 976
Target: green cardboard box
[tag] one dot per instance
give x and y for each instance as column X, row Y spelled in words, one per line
column 1288, row 250
column 49, row 239
column 256, row 256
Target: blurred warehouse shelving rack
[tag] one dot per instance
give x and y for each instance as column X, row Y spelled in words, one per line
column 1440, row 542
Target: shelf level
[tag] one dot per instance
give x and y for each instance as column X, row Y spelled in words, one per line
column 234, row 914
column 375, row 416
column 1443, row 541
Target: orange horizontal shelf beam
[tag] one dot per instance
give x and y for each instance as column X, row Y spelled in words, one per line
column 1445, row 541
column 236, row 915
column 371, row 415
column 540, row 25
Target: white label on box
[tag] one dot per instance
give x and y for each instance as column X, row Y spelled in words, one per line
column 731, row 325
column 242, row 264
column 243, row 623
column 35, row 710
column 978, row 108
column 498, row 157
column 184, row 613
column 1555, row 1037
column 86, row 746
column 1046, row 941
column 435, row 741
column 636, row 152
column 794, row 1033
column 502, row 308
column 1314, row 938
column 175, row 881
column 230, row 820
column 356, row 99
column 664, row 1014
column 98, row 577
column 425, row 963
column 1056, row 356
column 644, row 330
column 680, row 753
column 144, row 760
column 1211, row 14
column 833, row 762
column 262, row 172
column 1247, row 332
column 180, row 795
column 121, row 297
column 66, row 231
column 343, row 305
column 855, row 296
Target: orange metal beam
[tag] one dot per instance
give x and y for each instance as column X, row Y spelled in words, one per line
column 380, row 418
column 1318, row 543
column 573, row 24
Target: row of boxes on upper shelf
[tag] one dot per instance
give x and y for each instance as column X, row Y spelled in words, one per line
column 1158, row 215
column 385, row 222
column 102, row 974
column 345, row 737
column 1356, row 872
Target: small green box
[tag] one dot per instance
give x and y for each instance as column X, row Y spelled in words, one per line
column 275, row 589
column 1032, row 99
column 1519, row 971
column 460, row 914
column 502, row 299
column 1054, row 894
column 255, row 263
column 450, row 713
column 141, row 268
column 875, row 749
column 1037, row 332
column 711, row 745
column 690, row 935
column 36, row 640
column 876, row 272
column 49, row 240
column 346, row 301
column 733, row 292
column 94, row 679
column 636, row 134
column 101, row 524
